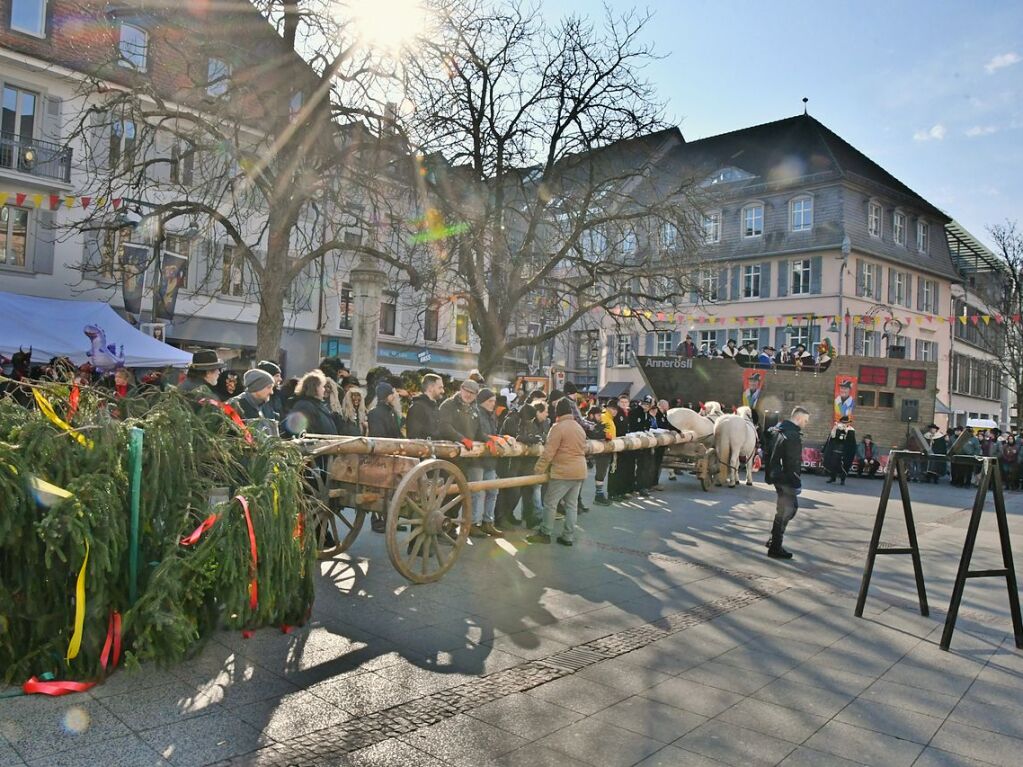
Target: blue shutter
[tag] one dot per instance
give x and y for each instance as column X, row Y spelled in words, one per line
column 721, row 337
column 815, row 335
column 816, row 267
column 46, row 236
column 612, row 343
column 859, row 276
column 694, row 296
column 783, row 284
column 765, row 337
column 722, row 285
column 765, row 279
column 676, row 339
column 920, row 294
column 936, row 309
column 878, row 351
column 779, row 338
column 858, row 342
column 909, row 289
column 891, row 286
column 651, row 343
column 634, row 345
column 736, row 294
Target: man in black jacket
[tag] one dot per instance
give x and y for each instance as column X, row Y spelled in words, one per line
column 423, row 421
column 460, row 422
column 254, row 401
column 383, row 421
column 784, row 465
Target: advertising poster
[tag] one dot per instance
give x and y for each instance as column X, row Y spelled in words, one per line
column 173, row 269
column 845, row 396
column 752, row 387
column 134, row 265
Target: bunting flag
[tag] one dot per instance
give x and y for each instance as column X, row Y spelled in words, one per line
column 54, row 201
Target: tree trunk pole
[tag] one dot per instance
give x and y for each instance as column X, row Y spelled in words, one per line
column 368, row 283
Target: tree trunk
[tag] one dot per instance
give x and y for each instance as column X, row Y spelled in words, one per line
column 273, row 288
column 491, row 355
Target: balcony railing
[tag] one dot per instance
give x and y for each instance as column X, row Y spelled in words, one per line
column 36, row 157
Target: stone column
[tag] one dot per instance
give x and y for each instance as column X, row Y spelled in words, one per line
column 368, row 282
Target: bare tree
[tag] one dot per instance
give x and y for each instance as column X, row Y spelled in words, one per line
column 267, row 143
column 549, row 171
column 1004, row 294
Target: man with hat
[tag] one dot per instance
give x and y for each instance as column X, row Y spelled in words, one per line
column 383, row 421
column 622, row 478
column 839, row 450
column 276, row 401
column 645, row 419
column 730, row 349
column 751, row 395
column 460, row 422
column 687, row 348
column 868, row 458
column 486, row 404
column 766, row 358
column 202, row 375
column 844, row 402
column 254, row 401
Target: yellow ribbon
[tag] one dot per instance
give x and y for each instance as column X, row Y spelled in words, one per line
column 76, row 637
column 47, row 409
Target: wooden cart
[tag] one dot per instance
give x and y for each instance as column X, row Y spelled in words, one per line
column 419, row 489
column 697, row 457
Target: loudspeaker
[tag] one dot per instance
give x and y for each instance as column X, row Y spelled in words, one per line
column 911, row 410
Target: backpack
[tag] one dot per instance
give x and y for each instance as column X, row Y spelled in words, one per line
column 773, row 439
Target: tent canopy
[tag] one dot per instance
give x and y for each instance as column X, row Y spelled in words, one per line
column 57, row 328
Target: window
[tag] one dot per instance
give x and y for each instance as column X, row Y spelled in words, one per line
column 709, row 286
column 899, row 227
column 134, row 47
column 898, row 288
column 587, row 348
column 873, row 375
column 976, row 378
column 870, row 281
column 13, row 236
column 751, row 281
column 753, row 220
column 923, row 236
column 871, row 344
column 19, row 117
column 885, row 399
column 629, row 244
column 866, row 398
column 232, row 276
column 664, row 347
column 749, row 336
column 800, row 335
column 122, row 145
column 929, row 295
column 874, row 219
column 927, row 351
column 431, row 323
column 177, row 245
column 295, row 105
column 623, row 350
column 911, row 379
column 704, row 337
column 388, row 313
column 594, row 244
column 218, row 77
column 111, row 244
column 346, row 306
column 801, row 214
column 182, row 166
column 461, row 326
column 800, row 276
column 29, row 16
column 669, row 236
column 712, row 228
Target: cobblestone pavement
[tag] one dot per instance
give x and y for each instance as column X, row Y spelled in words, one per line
column 664, row 637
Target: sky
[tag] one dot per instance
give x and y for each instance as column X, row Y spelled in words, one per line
column 932, row 91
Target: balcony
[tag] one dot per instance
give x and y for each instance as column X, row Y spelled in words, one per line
column 35, row 157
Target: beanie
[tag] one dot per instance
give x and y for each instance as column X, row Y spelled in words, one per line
column 270, row 367
column 257, row 379
column 564, row 407
column 484, row 395
column 384, row 390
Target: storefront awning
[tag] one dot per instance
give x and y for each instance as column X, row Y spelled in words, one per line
column 614, row 389
column 644, row 392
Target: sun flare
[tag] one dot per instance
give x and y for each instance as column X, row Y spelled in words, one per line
column 388, row 24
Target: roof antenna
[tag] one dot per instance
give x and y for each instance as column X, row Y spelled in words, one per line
column 805, row 100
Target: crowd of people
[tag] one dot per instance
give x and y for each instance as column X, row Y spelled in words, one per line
column 766, row 357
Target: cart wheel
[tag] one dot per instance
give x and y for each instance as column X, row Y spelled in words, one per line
column 713, row 467
column 437, row 521
column 705, row 479
column 336, row 527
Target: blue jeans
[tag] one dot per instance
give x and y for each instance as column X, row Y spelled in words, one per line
column 489, row 500
column 558, row 490
column 475, row 474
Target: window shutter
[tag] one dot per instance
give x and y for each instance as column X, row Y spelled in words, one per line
column 634, row 347
column 815, row 335
column 909, row 289
column 90, row 250
column 937, row 301
column 917, row 349
column 52, row 126
column 676, row 339
column 735, row 294
column 858, row 341
column 722, row 285
column 891, row 285
column 765, row 279
column 876, row 334
column 721, row 336
column 612, row 344
column 694, row 297
column 783, row 283
column 45, row 237
column 765, row 337
column 816, row 267
column 920, row 294
column 859, row 276
column 651, row 344
column 779, row 338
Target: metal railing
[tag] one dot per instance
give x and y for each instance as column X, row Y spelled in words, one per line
column 35, row 156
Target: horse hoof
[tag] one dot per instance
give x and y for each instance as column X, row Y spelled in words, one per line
column 749, row 484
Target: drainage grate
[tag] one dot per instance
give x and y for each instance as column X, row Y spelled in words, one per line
column 322, row 747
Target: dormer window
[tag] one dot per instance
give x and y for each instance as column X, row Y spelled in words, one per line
column 727, row 176
column 753, row 220
column 923, row 236
column 801, row 214
column 133, row 47
column 874, row 219
column 29, row 16
column 218, row 77
column 899, row 228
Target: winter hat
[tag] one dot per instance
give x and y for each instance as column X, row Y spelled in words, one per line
column 206, row 359
column 484, row 395
column 270, row 367
column 471, row 386
column 257, row 379
column 564, row 407
column 384, row 390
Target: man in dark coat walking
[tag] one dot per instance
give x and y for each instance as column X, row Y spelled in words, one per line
column 839, row 450
column 783, row 469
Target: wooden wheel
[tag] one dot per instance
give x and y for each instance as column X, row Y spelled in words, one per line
column 336, row 526
column 434, row 506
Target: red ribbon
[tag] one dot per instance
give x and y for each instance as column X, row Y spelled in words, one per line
column 196, row 534
column 231, row 413
column 34, row 687
column 253, row 584
column 72, row 402
column 113, row 641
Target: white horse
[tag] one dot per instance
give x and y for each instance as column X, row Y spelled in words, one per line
column 735, row 437
column 712, row 410
column 684, row 419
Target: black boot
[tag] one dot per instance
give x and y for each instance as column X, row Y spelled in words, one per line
column 774, row 548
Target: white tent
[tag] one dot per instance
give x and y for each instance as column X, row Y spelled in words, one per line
column 59, row 328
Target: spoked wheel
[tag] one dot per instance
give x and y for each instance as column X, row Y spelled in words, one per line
column 711, row 469
column 433, row 504
column 336, row 526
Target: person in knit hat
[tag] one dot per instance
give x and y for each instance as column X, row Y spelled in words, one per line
column 383, row 421
column 564, row 456
column 253, row 400
column 486, row 402
column 276, row 401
